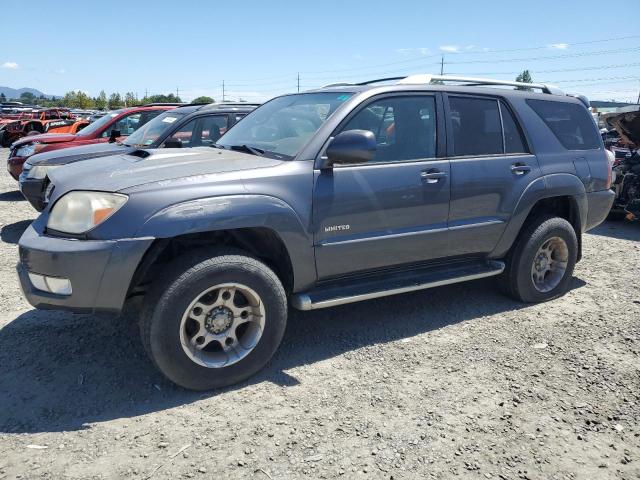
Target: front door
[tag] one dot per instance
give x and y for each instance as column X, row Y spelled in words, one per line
column 490, row 168
column 393, row 209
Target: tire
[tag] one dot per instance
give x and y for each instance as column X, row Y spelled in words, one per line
column 5, row 140
column 166, row 318
column 518, row 277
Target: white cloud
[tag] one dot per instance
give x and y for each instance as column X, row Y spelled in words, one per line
column 559, row 46
column 450, row 48
column 413, row 51
column 357, row 56
column 10, row 65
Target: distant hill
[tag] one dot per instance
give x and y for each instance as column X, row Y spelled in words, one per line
column 16, row 92
column 605, row 104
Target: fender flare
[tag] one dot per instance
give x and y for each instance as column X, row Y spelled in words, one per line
column 546, row 186
column 232, row 212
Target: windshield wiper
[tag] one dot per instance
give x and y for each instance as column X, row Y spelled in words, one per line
column 249, row 149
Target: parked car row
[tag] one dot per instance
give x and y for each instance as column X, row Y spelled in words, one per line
column 315, row 199
column 189, row 126
column 49, row 120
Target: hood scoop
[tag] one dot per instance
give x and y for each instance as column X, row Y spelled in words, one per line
column 140, row 153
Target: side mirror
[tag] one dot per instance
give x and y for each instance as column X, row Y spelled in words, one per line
column 113, row 135
column 172, row 142
column 350, row 147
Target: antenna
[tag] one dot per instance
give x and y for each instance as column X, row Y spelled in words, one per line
column 222, row 91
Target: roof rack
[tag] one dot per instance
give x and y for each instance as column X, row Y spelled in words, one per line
column 427, row 78
column 164, row 104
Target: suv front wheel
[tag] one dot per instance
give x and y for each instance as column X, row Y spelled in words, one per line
column 216, row 321
column 540, row 265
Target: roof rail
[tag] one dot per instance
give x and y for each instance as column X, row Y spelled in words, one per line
column 339, row 84
column 163, row 104
column 427, row 78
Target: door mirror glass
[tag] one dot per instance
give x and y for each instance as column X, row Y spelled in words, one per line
column 113, row 135
column 350, row 147
column 173, row 142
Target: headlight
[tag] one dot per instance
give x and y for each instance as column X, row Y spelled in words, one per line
column 38, row 172
column 26, row 150
column 79, row 212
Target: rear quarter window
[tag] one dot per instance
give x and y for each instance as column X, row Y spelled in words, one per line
column 570, row 123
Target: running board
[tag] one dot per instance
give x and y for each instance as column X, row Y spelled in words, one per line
column 420, row 279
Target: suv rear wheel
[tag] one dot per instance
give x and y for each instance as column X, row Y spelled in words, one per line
column 540, row 265
column 215, row 321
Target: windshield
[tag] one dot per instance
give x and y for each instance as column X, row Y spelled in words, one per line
column 284, row 125
column 100, row 123
column 149, row 132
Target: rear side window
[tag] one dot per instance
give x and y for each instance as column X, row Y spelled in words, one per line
column 570, row 123
column 513, row 142
column 476, row 126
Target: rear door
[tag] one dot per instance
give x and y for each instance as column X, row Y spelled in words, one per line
column 393, row 209
column 491, row 165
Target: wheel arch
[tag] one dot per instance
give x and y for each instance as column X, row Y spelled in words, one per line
column 264, row 226
column 563, row 195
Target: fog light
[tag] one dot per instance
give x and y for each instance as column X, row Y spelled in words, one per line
column 58, row 286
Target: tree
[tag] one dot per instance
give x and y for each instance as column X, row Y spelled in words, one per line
column 3, row 98
column 203, row 99
column 524, row 77
column 27, row 97
column 171, row 98
column 130, row 99
column 101, row 100
column 115, row 101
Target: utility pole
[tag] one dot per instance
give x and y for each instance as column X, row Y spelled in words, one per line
column 222, row 91
column 638, row 101
column 177, row 93
column 146, row 93
column 298, row 82
column 442, row 65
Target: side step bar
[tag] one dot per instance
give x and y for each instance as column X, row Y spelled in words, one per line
column 354, row 291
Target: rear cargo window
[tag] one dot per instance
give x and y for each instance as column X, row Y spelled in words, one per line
column 570, row 123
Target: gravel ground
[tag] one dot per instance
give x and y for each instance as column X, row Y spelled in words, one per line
column 457, row 381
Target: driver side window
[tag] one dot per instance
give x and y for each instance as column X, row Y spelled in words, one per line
column 404, row 127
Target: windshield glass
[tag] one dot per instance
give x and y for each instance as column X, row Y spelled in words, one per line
column 150, row 131
column 99, row 124
column 283, row 126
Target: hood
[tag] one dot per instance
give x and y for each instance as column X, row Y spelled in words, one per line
column 76, row 154
column 46, row 138
column 627, row 123
column 119, row 172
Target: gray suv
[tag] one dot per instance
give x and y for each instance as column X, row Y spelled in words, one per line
column 337, row 195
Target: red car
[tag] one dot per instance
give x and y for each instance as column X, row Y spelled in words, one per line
column 114, row 125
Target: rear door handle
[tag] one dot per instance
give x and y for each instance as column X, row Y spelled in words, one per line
column 432, row 176
column 520, row 168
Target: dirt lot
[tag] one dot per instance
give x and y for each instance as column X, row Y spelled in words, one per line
column 455, row 381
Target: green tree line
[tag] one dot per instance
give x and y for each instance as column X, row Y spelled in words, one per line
column 79, row 99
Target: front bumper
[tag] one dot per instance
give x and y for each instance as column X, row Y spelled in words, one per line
column 34, row 191
column 100, row 271
column 599, row 205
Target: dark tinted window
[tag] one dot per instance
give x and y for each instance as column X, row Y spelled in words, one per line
column 513, row 142
column 213, row 128
column 405, row 127
column 476, row 126
column 571, row 123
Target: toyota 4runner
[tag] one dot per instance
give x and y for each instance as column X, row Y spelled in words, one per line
column 337, row 195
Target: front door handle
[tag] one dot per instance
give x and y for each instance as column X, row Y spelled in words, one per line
column 432, row 175
column 520, row 168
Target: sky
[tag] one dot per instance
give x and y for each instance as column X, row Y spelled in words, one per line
column 258, row 48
